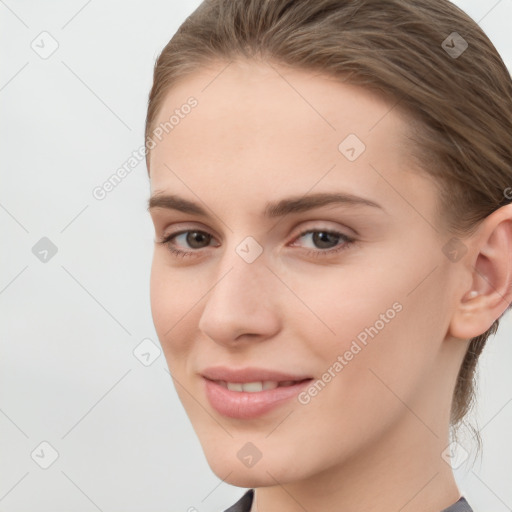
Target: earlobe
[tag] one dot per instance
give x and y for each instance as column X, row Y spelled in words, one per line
column 490, row 293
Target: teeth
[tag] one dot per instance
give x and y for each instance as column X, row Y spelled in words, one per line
column 234, row 386
column 250, row 387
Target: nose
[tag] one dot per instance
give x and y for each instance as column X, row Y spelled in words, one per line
column 242, row 304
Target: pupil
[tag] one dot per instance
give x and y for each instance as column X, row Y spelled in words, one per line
column 193, row 237
column 321, row 237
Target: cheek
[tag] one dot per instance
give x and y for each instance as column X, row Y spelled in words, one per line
column 170, row 306
column 377, row 338
column 335, row 311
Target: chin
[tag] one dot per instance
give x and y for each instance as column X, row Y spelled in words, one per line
column 239, row 476
column 246, row 479
column 228, row 464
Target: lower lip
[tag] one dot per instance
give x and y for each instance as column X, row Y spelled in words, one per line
column 244, row 405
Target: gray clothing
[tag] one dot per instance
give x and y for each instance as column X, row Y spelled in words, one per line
column 245, row 502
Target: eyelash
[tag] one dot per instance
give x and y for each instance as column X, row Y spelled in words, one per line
column 348, row 241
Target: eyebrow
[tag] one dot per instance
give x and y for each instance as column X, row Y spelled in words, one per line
column 294, row 204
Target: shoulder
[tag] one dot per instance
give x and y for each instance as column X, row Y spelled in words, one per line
column 245, row 502
column 460, row 506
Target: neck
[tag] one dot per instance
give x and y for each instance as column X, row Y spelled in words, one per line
column 397, row 473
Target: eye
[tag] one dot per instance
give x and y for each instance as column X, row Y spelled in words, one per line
column 193, row 237
column 326, row 241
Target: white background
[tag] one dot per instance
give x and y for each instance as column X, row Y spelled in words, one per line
column 68, row 329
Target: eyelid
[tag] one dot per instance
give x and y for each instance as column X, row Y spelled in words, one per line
column 318, row 225
column 315, row 225
column 180, row 227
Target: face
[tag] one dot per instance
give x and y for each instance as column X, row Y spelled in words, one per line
column 278, row 280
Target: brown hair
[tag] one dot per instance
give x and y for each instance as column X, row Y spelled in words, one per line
column 459, row 105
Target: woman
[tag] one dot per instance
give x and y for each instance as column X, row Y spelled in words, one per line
column 330, row 195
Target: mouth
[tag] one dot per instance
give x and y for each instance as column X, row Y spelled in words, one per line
column 257, row 386
column 252, row 398
column 250, row 375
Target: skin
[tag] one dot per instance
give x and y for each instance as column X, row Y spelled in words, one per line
column 372, row 439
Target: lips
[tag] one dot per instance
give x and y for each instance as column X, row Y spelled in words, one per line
column 249, row 392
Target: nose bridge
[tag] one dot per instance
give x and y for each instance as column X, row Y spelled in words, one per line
column 242, row 272
column 239, row 301
column 238, row 286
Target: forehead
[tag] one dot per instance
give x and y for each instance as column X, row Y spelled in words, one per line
column 263, row 129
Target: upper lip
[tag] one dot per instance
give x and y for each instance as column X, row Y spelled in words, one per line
column 249, row 374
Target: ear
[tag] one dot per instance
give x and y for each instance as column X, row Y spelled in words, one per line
column 490, row 264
